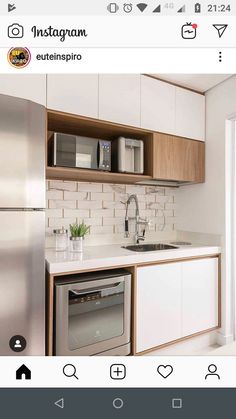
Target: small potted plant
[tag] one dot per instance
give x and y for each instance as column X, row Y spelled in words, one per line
column 78, row 232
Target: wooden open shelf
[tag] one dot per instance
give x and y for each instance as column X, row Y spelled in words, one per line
column 167, row 158
column 84, row 175
column 79, row 125
column 89, row 127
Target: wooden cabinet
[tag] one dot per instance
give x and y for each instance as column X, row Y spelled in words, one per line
column 200, row 295
column 190, row 114
column 177, row 159
column 119, row 98
column 158, row 305
column 175, row 300
column 25, row 86
column 73, row 93
column 157, row 105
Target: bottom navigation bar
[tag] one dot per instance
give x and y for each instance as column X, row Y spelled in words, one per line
column 122, row 372
column 109, row 403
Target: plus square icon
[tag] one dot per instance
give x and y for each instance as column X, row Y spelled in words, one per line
column 117, row 371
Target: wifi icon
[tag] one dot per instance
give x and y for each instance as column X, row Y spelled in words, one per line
column 141, row 6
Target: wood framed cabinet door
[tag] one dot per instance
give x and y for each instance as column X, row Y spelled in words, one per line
column 158, row 305
column 200, row 295
column 178, row 159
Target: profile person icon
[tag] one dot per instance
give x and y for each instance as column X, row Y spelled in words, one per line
column 212, row 372
column 17, row 344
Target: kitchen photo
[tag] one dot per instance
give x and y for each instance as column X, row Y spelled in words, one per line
column 117, row 214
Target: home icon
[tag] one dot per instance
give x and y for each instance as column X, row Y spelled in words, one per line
column 23, row 372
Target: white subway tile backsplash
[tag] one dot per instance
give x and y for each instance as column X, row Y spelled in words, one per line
column 169, row 206
column 61, row 222
column 102, row 230
column 119, row 189
column 63, row 186
column 80, row 196
column 102, row 213
column 56, row 203
column 135, row 189
column 54, row 213
column 102, row 196
column 90, row 187
column 113, row 221
column 113, row 204
column 54, row 194
column 77, row 213
column 102, row 206
column 89, row 204
column 93, row 221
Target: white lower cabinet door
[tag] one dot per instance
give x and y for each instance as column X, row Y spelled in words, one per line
column 200, row 295
column 158, row 305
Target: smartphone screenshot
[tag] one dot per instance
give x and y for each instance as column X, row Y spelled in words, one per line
column 117, row 209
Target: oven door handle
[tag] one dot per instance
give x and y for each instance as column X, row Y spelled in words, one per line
column 96, row 284
column 96, row 289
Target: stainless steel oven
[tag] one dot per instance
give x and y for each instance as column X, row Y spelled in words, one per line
column 92, row 314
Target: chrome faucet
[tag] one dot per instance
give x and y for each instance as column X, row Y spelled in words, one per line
column 137, row 218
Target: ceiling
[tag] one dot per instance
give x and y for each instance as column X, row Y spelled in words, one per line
column 198, row 82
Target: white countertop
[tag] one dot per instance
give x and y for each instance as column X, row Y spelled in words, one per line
column 94, row 257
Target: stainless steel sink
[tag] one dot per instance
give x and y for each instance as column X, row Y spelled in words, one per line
column 149, row 247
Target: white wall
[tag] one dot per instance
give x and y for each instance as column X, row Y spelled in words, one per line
column 202, row 207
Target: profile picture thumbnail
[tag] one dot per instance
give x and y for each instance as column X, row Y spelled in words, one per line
column 19, row 57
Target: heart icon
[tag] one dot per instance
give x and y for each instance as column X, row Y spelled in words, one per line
column 165, row 370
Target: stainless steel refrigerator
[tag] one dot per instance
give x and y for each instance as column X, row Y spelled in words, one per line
column 22, row 227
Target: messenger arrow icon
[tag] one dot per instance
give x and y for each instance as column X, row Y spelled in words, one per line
column 220, row 29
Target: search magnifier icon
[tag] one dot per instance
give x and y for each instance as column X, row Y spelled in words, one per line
column 69, row 370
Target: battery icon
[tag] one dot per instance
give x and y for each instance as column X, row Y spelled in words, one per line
column 197, row 8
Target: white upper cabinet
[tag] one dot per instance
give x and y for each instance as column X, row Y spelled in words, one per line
column 171, row 109
column 200, row 295
column 157, row 105
column 119, row 98
column 73, row 93
column 25, row 86
column 190, row 114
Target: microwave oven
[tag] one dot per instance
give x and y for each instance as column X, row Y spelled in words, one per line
column 81, row 152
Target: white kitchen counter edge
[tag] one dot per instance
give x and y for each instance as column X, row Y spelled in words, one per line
column 95, row 257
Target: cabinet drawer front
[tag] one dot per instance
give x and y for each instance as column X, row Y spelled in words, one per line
column 158, row 307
